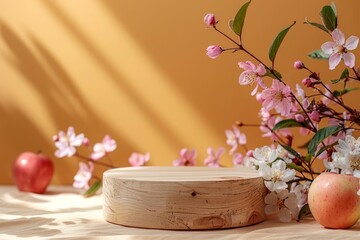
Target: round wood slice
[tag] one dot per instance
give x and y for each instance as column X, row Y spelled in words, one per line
column 183, row 198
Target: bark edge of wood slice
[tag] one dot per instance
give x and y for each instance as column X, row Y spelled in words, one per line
column 183, row 198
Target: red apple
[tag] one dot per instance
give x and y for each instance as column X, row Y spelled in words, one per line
column 333, row 200
column 33, row 172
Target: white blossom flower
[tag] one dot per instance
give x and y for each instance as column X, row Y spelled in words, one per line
column 346, row 157
column 264, row 154
column 282, row 203
column 301, row 191
column 66, row 143
column 276, row 176
column 283, row 154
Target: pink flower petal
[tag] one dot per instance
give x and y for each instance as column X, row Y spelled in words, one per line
column 334, row 60
column 220, row 152
column 247, row 66
column 338, row 36
column 255, row 90
column 349, row 59
column 351, row 43
column 242, row 139
column 328, row 47
column 261, row 69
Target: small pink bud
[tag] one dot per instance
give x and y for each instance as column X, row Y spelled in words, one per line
column 213, row 51
column 209, row 19
column 308, row 81
column 299, row 65
column 86, row 142
column 315, row 116
column 299, row 117
column 55, row 138
column 250, row 153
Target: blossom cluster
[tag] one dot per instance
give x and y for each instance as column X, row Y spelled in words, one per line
column 313, row 104
column 67, row 144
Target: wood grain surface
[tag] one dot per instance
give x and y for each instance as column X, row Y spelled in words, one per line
column 183, row 198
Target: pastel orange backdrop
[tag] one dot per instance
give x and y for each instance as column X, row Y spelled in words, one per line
column 137, row 70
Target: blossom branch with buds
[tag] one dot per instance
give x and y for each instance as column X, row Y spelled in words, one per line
column 67, row 145
column 288, row 173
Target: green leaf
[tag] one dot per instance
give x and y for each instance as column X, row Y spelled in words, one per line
column 320, row 136
column 231, row 24
column 270, row 74
column 332, row 5
column 318, row 25
column 288, row 123
column 339, row 93
column 308, row 158
column 295, row 167
column 238, row 23
column 318, row 54
column 277, row 42
column 304, row 211
column 93, row 189
column 291, row 151
column 321, row 150
column 344, row 75
column 329, row 18
column 335, row 81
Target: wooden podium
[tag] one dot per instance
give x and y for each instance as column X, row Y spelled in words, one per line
column 183, row 198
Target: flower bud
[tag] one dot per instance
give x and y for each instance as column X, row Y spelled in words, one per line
column 308, row 82
column 250, row 153
column 315, row 116
column 213, row 51
column 86, row 142
column 299, row 118
column 299, row 65
column 209, row 19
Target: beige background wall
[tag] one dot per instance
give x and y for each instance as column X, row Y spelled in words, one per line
column 137, row 70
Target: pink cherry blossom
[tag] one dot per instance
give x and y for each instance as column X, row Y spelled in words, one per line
column 338, row 49
column 187, row 158
column 100, row 149
column 213, row 158
column 214, row 51
column 82, row 177
column 209, row 19
column 66, row 143
column 234, row 138
column 138, row 159
column 278, row 97
column 251, row 75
